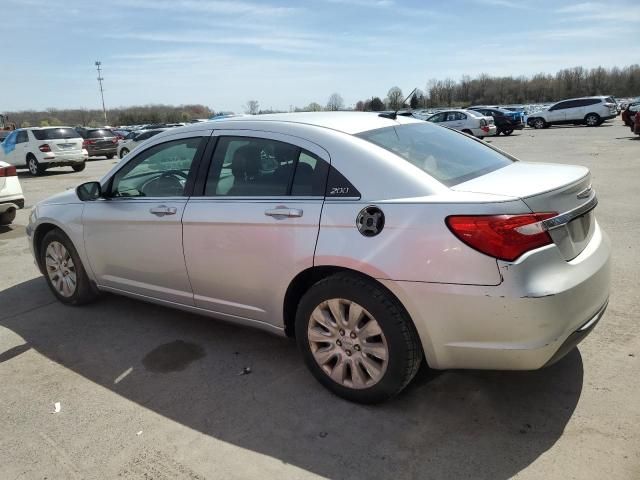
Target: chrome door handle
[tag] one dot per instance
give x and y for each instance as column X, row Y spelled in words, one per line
column 283, row 212
column 163, row 210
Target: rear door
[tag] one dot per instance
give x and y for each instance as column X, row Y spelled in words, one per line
column 255, row 225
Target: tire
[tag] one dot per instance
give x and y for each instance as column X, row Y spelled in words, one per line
column 123, row 152
column 467, row 131
column 592, row 120
column 539, row 123
column 507, row 132
column 79, row 168
column 110, row 156
column 7, row 217
column 35, row 168
column 359, row 376
column 56, row 263
column 498, row 132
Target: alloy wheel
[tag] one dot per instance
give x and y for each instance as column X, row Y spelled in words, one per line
column 33, row 166
column 61, row 269
column 347, row 342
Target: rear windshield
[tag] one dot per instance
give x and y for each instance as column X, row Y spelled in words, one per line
column 98, row 133
column 449, row 157
column 55, row 133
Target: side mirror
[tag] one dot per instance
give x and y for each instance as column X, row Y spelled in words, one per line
column 89, row 191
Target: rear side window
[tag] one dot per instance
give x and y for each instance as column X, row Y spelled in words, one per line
column 260, row 167
column 99, row 133
column 447, row 156
column 22, row 137
column 55, row 133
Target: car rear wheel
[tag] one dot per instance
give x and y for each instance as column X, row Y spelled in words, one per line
column 80, row 167
column 34, row 166
column 538, row 123
column 63, row 269
column 507, row 132
column 467, row 131
column 356, row 340
column 123, row 152
column 7, row 217
column 592, row 120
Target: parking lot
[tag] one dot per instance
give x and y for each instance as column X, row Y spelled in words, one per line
column 148, row 392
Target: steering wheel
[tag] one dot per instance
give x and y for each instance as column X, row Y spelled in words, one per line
column 168, row 184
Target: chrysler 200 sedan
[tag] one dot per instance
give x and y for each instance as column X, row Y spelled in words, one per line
column 377, row 243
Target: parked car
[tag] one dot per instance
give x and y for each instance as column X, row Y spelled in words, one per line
column 377, row 243
column 636, row 123
column 590, row 111
column 132, row 140
column 11, row 197
column 99, row 142
column 506, row 121
column 467, row 121
column 41, row 148
column 629, row 112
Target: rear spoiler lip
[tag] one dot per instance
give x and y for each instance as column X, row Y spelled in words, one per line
column 564, row 218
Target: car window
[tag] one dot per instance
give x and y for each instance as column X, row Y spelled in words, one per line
column 99, row 133
column 249, row 167
column 437, row 118
column 447, row 156
column 131, row 136
column 160, row 171
column 55, row 133
column 22, row 137
column 460, row 116
column 310, row 178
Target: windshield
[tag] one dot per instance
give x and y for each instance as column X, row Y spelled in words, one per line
column 55, row 133
column 447, row 156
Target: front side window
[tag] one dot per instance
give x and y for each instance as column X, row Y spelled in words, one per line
column 447, row 156
column 437, row 118
column 260, row 167
column 160, row 171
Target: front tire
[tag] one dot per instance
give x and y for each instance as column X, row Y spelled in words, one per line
column 7, row 217
column 356, row 339
column 539, row 123
column 592, row 120
column 35, row 168
column 79, row 168
column 64, row 271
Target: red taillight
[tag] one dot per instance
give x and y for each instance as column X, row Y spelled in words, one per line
column 115, row 140
column 44, row 147
column 88, row 142
column 9, row 171
column 505, row 237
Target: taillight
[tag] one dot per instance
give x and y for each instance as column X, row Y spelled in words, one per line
column 9, row 171
column 505, row 237
column 44, row 147
column 87, row 142
column 115, row 140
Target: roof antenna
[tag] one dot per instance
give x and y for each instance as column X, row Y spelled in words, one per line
column 394, row 115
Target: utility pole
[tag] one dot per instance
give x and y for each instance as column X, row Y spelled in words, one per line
column 100, row 79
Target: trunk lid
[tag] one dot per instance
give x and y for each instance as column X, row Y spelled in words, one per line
column 565, row 189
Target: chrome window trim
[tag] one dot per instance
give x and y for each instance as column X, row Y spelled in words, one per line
column 564, row 218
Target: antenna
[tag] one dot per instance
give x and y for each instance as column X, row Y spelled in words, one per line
column 394, row 114
column 100, row 79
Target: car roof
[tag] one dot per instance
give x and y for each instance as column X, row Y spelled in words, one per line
column 346, row 122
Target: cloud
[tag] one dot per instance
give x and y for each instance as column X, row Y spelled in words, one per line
column 505, row 3
column 610, row 11
column 220, row 7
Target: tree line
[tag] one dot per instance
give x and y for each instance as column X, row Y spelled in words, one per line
column 482, row 89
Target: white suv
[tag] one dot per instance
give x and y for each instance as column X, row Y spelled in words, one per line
column 42, row 148
column 590, row 111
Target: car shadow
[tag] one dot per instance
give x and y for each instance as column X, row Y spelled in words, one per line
column 251, row 389
column 25, row 174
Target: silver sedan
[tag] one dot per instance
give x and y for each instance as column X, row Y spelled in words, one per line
column 378, row 243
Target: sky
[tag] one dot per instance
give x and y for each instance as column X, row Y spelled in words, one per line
column 222, row 53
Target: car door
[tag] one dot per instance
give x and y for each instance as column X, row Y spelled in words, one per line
column 133, row 236
column 558, row 112
column 19, row 154
column 8, row 148
column 255, row 225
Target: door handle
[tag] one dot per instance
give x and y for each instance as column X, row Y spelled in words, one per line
column 163, row 210
column 283, row 212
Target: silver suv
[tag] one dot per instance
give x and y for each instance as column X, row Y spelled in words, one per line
column 590, row 111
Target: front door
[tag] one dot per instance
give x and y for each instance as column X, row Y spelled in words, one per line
column 133, row 237
column 256, row 223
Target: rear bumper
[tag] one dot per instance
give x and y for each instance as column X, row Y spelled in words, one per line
column 51, row 160
column 526, row 322
column 98, row 152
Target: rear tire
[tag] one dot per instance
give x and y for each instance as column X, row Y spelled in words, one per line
column 368, row 359
column 110, row 156
column 123, row 152
column 507, row 132
column 79, row 168
column 7, row 217
column 592, row 120
column 64, row 271
column 35, row 168
column 467, row 131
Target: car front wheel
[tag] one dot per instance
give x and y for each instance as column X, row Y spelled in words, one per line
column 80, row 167
column 539, row 123
column 7, row 217
column 64, row 271
column 592, row 120
column 356, row 339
